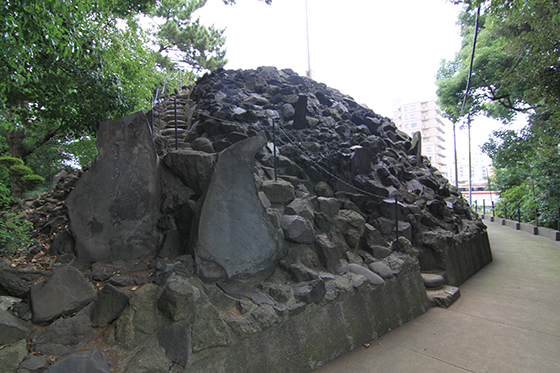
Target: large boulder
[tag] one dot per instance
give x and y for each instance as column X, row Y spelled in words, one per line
column 11, row 356
column 139, row 319
column 89, row 361
column 66, row 291
column 110, row 302
column 193, row 167
column 114, row 207
column 12, row 329
column 65, row 336
column 235, row 236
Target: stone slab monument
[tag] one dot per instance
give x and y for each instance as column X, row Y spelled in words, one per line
column 114, row 207
column 235, row 237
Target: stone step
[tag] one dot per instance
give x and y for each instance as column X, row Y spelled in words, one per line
column 180, row 118
column 171, row 132
column 432, row 280
column 171, row 123
column 443, row 297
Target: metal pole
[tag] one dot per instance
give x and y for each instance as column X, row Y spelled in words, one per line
column 518, row 214
column 483, row 207
column 470, row 164
column 274, row 142
column 397, row 223
column 493, row 212
column 176, row 135
column 152, row 121
column 455, row 155
column 307, row 31
column 559, row 218
column 536, row 217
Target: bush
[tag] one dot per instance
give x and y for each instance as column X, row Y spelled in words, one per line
column 5, row 197
column 14, row 233
column 33, row 179
column 10, row 161
column 20, row 170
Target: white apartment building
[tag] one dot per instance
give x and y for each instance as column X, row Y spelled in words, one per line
column 481, row 169
column 426, row 117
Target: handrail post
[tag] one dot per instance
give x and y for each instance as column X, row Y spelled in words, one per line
column 483, row 207
column 159, row 114
column 176, row 135
column 397, row 223
column 493, row 212
column 518, row 213
column 536, row 217
column 152, row 121
column 274, row 144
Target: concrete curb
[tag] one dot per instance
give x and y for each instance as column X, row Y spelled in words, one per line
column 553, row 234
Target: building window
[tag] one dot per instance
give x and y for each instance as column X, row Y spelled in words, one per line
column 406, row 125
column 412, row 116
column 429, row 149
column 413, row 125
column 406, row 108
column 406, row 117
column 412, row 107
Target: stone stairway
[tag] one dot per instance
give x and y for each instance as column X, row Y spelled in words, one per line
column 439, row 293
column 165, row 122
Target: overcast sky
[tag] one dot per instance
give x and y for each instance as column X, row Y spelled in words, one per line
column 375, row 51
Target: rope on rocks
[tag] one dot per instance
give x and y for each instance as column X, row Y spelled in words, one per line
column 326, row 171
column 295, row 145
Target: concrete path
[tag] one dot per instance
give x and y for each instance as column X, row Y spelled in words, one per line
column 507, row 319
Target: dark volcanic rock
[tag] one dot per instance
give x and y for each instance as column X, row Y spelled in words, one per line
column 235, row 237
column 114, row 207
column 66, row 335
column 13, row 283
column 109, row 304
column 89, row 361
column 66, row 291
column 12, row 329
column 33, row 364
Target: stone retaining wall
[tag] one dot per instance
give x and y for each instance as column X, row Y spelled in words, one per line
column 324, row 332
column 465, row 256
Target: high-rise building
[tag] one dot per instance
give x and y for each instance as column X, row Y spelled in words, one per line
column 426, row 117
column 481, row 169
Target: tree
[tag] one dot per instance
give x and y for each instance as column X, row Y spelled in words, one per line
column 515, row 69
column 516, row 65
column 185, row 39
column 67, row 66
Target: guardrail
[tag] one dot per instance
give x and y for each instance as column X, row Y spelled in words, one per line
column 526, row 227
column 515, row 212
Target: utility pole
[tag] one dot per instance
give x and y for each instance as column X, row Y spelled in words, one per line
column 470, row 165
column 455, row 155
column 307, row 31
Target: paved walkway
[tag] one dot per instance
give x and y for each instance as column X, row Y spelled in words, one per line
column 507, row 319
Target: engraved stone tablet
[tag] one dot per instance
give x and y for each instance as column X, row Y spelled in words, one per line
column 235, row 237
column 113, row 208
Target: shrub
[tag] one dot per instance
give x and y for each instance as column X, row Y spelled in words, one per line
column 33, row 179
column 10, row 161
column 14, row 233
column 5, row 197
column 19, row 170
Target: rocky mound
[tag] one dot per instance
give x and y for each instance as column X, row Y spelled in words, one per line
column 328, row 147
column 237, row 260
